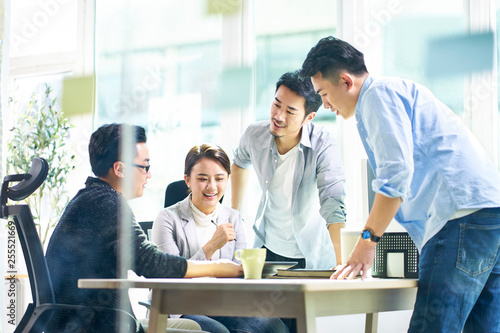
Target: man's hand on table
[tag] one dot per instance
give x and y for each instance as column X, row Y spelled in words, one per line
column 216, row 268
column 227, row 268
column 361, row 260
column 383, row 211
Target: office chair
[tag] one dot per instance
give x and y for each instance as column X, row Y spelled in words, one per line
column 39, row 313
column 177, row 191
column 146, row 226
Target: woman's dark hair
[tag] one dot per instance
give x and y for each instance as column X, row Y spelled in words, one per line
column 303, row 87
column 105, row 146
column 205, row 150
column 331, row 56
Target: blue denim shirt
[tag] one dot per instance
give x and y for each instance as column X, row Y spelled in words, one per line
column 422, row 152
column 318, row 174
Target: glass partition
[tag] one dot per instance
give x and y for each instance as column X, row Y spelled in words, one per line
column 394, row 37
column 157, row 65
column 160, row 65
column 397, row 41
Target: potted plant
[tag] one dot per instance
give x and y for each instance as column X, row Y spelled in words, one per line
column 41, row 130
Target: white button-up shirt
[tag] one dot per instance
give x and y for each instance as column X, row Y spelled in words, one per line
column 318, row 187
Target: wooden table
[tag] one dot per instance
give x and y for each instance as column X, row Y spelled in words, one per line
column 303, row 299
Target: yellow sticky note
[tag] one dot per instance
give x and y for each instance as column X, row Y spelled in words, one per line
column 223, row 6
column 78, row 95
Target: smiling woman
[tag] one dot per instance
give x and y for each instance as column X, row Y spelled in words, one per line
column 206, row 173
column 200, row 228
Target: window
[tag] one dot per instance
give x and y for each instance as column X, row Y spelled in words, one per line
column 41, row 28
column 48, row 44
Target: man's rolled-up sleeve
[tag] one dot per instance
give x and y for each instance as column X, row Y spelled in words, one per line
column 242, row 153
column 331, row 178
column 390, row 138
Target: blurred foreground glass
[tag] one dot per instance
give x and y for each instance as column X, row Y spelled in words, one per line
column 162, row 67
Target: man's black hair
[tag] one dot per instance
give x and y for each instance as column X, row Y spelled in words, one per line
column 302, row 87
column 105, row 146
column 330, row 57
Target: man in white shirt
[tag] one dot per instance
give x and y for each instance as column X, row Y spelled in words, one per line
column 297, row 163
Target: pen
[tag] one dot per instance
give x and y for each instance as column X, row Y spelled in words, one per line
column 215, row 223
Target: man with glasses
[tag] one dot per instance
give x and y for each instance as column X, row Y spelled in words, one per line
column 86, row 241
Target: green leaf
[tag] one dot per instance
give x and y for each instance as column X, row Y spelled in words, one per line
column 40, row 130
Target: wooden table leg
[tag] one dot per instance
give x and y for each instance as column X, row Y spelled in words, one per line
column 157, row 320
column 371, row 324
column 306, row 322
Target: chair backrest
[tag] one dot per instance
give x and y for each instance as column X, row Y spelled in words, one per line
column 28, row 182
column 38, row 272
column 41, row 285
column 146, row 227
column 177, row 191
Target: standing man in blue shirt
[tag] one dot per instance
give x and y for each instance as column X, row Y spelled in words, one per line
column 432, row 176
column 296, row 162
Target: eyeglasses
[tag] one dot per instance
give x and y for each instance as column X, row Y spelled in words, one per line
column 145, row 167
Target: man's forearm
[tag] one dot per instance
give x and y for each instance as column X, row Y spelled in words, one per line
column 239, row 180
column 334, row 229
column 361, row 258
column 383, row 211
column 219, row 268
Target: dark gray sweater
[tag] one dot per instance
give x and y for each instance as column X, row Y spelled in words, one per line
column 85, row 244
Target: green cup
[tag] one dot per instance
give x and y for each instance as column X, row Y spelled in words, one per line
column 252, row 261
